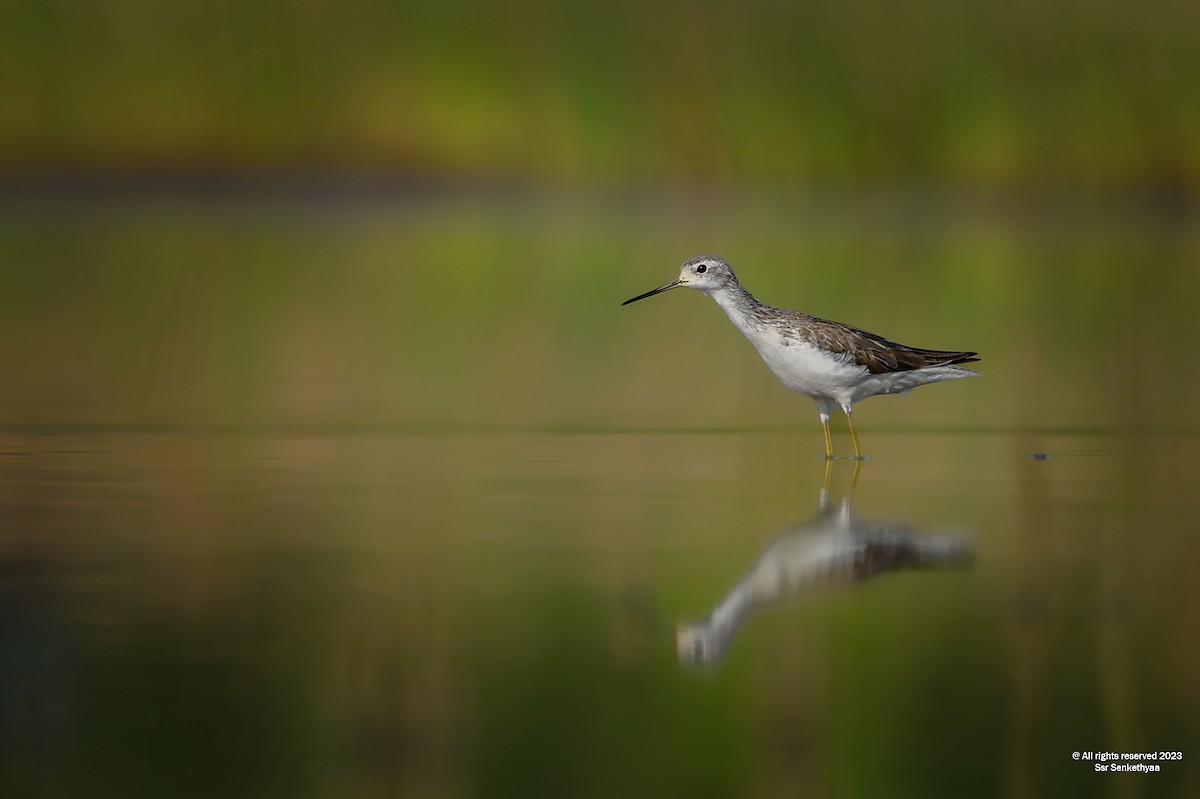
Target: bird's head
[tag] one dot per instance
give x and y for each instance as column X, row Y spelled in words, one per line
column 699, row 643
column 707, row 273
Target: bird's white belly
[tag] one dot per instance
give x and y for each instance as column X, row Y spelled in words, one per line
column 808, row 370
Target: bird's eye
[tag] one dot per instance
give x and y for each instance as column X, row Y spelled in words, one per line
column 701, row 269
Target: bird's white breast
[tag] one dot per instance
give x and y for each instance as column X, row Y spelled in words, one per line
column 806, row 369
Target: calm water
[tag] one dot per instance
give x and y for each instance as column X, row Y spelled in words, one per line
column 397, row 501
column 385, row 613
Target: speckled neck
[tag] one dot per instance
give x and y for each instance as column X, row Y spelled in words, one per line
column 740, row 306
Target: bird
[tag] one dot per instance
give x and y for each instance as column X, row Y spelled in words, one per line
column 834, row 364
column 835, row 547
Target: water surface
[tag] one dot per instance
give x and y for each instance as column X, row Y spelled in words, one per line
column 197, row 612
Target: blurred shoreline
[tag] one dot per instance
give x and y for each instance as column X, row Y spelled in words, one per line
column 1161, row 203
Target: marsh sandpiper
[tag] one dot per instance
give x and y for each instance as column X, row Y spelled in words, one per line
column 835, row 364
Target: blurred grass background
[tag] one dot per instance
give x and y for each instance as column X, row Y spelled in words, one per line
column 980, row 93
column 427, row 213
column 428, row 313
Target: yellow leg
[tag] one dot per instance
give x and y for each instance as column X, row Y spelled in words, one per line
column 854, row 436
column 854, row 478
column 828, row 440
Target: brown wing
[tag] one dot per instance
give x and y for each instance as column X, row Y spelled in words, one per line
column 876, row 353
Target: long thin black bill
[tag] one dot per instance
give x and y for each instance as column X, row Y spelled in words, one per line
column 651, row 293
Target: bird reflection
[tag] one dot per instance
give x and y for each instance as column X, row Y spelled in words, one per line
column 834, row 547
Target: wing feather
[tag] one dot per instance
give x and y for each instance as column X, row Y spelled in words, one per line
column 876, row 353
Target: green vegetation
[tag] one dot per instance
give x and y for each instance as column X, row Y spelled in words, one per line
column 452, row 313
column 990, row 93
